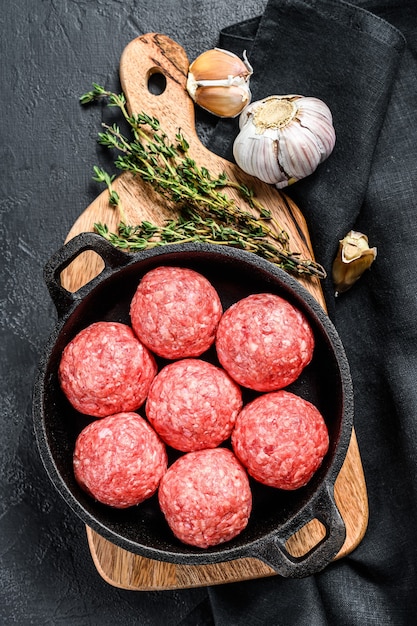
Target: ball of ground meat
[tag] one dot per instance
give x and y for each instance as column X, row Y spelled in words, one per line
column 281, row 439
column 105, row 369
column 175, row 312
column 119, row 460
column 205, row 497
column 264, row 342
column 193, row 404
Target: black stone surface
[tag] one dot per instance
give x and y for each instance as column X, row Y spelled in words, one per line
column 51, row 52
column 356, row 59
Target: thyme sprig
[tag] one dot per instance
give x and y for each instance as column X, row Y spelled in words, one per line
column 206, row 213
column 191, row 227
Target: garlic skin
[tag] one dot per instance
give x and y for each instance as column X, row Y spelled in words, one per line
column 354, row 256
column 284, row 138
column 218, row 81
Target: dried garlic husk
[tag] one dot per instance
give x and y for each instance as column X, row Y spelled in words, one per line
column 218, row 81
column 284, row 138
column 353, row 258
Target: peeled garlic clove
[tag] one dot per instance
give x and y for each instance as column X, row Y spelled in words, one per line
column 354, row 256
column 218, row 81
column 296, row 131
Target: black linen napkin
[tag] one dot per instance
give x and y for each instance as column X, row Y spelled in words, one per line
column 361, row 59
column 348, row 58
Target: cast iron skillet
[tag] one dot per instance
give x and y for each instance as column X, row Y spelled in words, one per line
column 326, row 382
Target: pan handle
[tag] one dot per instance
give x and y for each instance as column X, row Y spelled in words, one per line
column 113, row 258
column 272, row 550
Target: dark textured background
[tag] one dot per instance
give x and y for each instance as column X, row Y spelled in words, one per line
column 51, row 52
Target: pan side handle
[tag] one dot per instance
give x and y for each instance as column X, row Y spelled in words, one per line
column 112, row 257
column 272, row 549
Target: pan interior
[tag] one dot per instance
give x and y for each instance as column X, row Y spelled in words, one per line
column 143, row 527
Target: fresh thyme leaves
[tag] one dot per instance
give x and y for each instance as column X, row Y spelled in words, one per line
column 191, row 227
column 103, row 177
column 206, row 213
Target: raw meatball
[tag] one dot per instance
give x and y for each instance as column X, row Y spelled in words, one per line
column 193, row 404
column 175, row 312
column 264, row 342
column 205, row 497
column 281, row 439
column 105, row 369
column 119, row 460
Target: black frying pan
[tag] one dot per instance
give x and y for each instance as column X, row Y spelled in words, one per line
column 326, row 382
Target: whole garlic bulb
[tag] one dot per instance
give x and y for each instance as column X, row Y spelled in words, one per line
column 284, row 138
column 218, row 81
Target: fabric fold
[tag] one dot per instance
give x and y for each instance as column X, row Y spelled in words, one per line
column 361, row 59
column 344, row 55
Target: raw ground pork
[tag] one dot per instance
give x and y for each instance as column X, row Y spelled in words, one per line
column 193, row 404
column 119, row 460
column 205, row 497
column 281, row 439
column 175, row 312
column 105, row 369
column 264, row 342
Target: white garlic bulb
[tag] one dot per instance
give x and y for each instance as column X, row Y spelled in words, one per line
column 218, row 81
column 284, row 138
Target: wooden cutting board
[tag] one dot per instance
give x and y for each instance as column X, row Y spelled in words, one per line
column 144, row 59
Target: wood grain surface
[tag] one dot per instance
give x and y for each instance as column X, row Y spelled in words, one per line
column 143, row 58
column 123, row 569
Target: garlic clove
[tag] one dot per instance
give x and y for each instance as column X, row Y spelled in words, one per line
column 254, row 150
column 297, row 131
column 222, row 101
column 218, row 81
column 316, row 116
column 353, row 258
column 299, row 153
column 219, row 64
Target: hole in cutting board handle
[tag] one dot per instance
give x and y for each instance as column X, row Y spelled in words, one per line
column 157, row 82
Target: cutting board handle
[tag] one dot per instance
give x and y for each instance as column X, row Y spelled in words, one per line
column 155, row 58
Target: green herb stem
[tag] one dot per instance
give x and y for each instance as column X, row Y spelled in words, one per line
column 205, row 212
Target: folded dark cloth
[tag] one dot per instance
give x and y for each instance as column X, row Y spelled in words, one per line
column 361, row 59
